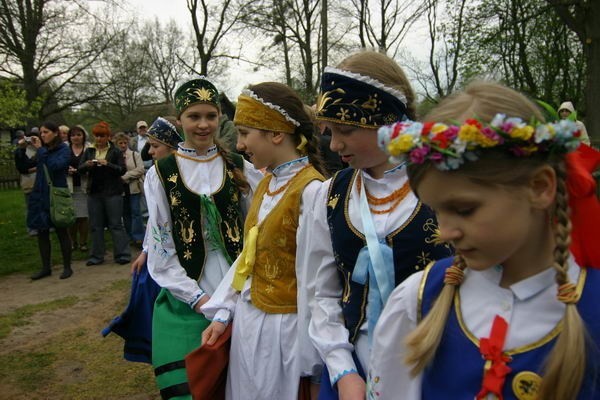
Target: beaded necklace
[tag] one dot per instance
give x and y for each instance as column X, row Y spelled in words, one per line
column 281, row 189
column 201, row 160
column 395, row 197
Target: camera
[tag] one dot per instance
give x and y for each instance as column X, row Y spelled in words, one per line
column 95, row 161
column 27, row 139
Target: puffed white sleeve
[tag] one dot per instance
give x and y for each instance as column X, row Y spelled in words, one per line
column 388, row 374
column 327, row 329
column 306, row 272
column 221, row 305
column 163, row 263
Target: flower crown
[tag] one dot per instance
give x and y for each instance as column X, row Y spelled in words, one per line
column 448, row 146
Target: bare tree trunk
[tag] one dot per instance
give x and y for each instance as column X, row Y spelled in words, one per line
column 324, row 27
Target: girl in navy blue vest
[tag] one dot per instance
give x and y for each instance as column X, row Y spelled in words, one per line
column 513, row 315
column 370, row 231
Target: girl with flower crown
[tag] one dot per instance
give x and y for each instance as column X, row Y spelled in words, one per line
column 197, row 199
column 268, row 290
column 369, row 230
column 513, row 315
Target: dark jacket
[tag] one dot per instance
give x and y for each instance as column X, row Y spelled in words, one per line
column 38, row 207
column 104, row 180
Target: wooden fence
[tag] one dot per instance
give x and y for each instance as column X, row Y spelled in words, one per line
column 9, row 176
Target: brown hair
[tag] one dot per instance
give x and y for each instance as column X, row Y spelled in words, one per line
column 54, row 128
column 384, row 69
column 563, row 373
column 78, row 128
column 284, row 97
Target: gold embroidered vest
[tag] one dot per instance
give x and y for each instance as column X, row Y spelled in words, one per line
column 274, row 273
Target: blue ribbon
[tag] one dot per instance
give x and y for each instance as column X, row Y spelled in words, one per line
column 375, row 264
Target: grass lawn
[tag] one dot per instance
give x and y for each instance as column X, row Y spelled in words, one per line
column 19, row 250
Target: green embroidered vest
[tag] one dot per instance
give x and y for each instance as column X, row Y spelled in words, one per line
column 187, row 218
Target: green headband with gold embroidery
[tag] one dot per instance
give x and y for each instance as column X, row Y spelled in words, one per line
column 195, row 91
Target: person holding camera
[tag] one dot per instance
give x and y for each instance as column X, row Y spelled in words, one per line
column 53, row 155
column 104, row 165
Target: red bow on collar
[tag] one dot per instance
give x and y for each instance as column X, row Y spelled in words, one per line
column 496, row 368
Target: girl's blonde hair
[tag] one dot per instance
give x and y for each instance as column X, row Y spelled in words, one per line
column 384, row 69
column 563, row 372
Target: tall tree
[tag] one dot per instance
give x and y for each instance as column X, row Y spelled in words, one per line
column 166, row 48
column 45, row 45
column 211, row 26
column 582, row 17
column 383, row 24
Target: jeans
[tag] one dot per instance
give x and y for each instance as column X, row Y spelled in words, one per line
column 132, row 217
column 103, row 211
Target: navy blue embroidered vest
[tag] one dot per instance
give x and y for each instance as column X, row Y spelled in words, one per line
column 186, row 215
column 413, row 245
column 458, row 365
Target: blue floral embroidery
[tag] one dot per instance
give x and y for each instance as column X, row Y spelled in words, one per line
column 161, row 235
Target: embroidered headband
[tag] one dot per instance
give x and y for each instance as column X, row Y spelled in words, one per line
column 449, row 146
column 193, row 91
column 254, row 112
column 353, row 99
column 164, row 132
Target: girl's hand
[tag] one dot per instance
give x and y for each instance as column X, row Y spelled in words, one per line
column 102, row 162
column 352, row 387
column 72, row 170
column 138, row 263
column 213, row 332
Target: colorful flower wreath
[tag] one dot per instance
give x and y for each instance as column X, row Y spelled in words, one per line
column 448, row 146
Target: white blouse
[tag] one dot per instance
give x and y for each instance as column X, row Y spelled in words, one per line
column 327, row 329
column 529, row 306
column 270, row 352
column 202, row 174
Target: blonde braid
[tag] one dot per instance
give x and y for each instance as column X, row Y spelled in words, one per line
column 422, row 343
column 565, row 366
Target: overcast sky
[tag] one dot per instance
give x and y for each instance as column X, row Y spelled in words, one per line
column 241, row 74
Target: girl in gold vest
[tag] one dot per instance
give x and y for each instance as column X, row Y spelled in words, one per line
column 268, row 289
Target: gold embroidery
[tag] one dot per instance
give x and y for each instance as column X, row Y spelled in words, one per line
column 333, row 201
column 346, row 293
column 526, row 385
column 203, row 94
column 371, row 103
column 423, row 259
column 173, row 178
column 175, row 201
column 186, row 230
column 271, row 271
column 233, row 234
column 187, row 255
column 287, row 220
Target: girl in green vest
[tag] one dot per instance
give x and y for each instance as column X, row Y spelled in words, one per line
column 197, row 199
column 267, row 291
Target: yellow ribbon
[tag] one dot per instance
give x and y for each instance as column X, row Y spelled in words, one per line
column 302, row 144
column 245, row 264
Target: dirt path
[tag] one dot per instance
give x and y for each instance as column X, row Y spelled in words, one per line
column 65, row 337
column 18, row 290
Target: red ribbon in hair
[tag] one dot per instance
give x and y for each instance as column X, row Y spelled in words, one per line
column 585, row 207
column 491, row 350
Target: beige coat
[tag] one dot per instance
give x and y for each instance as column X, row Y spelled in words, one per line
column 135, row 171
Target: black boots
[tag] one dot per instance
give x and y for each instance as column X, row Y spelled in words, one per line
column 44, row 272
column 67, row 272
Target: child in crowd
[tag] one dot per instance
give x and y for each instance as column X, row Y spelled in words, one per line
column 268, row 290
column 513, row 315
column 370, row 232
column 197, row 199
column 134, row 325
